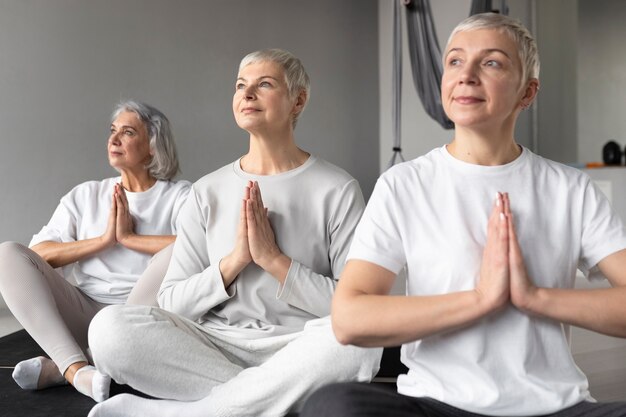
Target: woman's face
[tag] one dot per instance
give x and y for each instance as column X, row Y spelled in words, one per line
column 481, row 84
column 128, row 146
column 262, row 102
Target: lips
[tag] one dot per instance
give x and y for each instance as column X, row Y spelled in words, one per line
column 248, row 110
column 468, row 100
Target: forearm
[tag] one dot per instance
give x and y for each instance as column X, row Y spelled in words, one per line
column 192, row 296
column 600, row 310
column 307, row 290
column 149, row 244
column 385, row 320
column 59, row 254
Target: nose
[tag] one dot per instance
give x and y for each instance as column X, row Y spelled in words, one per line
column 114, row 139
column 469, row 74
column 249, row 92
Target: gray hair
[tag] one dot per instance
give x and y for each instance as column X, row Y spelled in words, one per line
column 295, row 75
column 526, row 44
column 164, row 164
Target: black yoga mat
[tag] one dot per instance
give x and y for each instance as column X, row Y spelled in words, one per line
column 63, row 401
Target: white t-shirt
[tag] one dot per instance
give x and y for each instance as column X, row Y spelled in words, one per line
column 313, row 210
column 430, row 215
column 83, row 213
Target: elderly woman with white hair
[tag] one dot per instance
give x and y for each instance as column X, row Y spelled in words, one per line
column 491, row 236
column 244, row 327
column 102, row 236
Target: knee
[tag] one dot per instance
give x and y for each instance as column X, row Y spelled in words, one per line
column 110, row 336
column 335, row 400
column 9, row 252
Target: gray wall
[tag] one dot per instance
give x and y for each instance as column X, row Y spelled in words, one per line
column 557, row 34
column 601, row 76
column 64, row 64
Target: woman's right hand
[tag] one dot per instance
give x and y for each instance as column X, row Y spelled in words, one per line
column 493, row 286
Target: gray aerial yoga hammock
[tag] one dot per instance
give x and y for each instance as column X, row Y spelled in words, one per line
column 426, row 66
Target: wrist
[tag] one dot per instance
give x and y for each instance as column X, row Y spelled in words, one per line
column 276, row 265
column 125, row 240
column 531, row 300
column 486, row 304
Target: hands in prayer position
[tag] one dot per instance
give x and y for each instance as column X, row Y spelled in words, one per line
column 120, row 225
column 503, row 275
column 255, row 241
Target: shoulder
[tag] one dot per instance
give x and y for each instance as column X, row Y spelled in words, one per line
column 326, row 171
column 93, row 187
column 424, row 166
column 550, row 169
column 225, row 173
column 175, row 187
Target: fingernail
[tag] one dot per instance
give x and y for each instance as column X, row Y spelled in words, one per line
column 502, row 217
column 498, row 198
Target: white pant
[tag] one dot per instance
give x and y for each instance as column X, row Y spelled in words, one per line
column 168, row 356
column 54, row 312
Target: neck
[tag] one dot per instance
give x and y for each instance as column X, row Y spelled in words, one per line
column 136, row 182
column 480, row 149
column 270, row 156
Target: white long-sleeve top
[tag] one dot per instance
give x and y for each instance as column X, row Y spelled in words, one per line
column 313, row 210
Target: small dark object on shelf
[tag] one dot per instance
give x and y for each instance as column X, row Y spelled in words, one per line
column 612, row 153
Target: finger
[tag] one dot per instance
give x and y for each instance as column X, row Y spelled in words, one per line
column 507, row 204
column 250, row 219
column 258, row 193
column 257, row 206
column 246, row 191
column 492, row 224
column 122, row 194
column 121, row 209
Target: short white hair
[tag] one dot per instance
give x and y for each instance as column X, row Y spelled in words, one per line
column 296, row 76
column 526, row 45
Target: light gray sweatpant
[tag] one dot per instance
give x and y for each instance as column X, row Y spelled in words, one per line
column 54, row 312
column 168, row 356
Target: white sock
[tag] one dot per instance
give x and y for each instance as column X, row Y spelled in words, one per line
column 37, row 373
column 90, row 382
column 127, row 405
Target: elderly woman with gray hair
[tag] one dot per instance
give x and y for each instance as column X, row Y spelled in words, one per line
column 102, row 235
column 243, row 327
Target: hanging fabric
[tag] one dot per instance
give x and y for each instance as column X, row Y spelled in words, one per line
column 426, row 65
column 485, row 6
column 425, row 59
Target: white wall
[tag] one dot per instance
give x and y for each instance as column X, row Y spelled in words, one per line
column 601, row 76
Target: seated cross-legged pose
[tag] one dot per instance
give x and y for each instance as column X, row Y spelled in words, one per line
column 244, row 326
column 103, row 235
column 491, row 236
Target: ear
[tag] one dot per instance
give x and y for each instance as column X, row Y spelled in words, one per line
column 300, row 102
column 530, row 92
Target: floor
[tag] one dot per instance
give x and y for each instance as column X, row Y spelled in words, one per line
column 602, row 358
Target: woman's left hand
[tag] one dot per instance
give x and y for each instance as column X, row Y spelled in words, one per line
column 124, row 222
column 522, row 289
column 261, row 238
